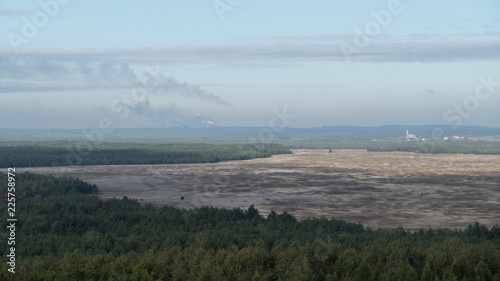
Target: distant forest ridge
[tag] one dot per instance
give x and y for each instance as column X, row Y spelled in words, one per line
column 332, row 132
column 71, row 153
column 84, row 152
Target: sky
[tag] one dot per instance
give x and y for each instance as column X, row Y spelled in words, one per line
column 88, row 64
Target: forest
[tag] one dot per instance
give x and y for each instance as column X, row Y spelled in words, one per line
column 66, row 232
column 69, row 153
column 385, row 145
column 461, row 146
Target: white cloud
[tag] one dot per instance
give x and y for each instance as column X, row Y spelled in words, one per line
column 450, row 50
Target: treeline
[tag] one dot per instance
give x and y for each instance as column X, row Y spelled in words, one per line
column 433, row 146
column 326, row 143
column 69, row 153
column 385, row 145
column 68, row 235
column 66, row 153
column 34, row 184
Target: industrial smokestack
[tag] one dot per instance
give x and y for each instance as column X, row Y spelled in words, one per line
column 236, row 118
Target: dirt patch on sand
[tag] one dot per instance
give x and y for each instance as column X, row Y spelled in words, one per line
column 376, row 189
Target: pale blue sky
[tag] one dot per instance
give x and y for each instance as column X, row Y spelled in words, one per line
column 85, row 58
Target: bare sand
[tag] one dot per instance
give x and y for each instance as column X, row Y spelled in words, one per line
column 377, row 189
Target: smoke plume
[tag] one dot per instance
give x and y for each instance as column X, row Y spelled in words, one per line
column 39, row 74
column 170, row 116
column 49, row 74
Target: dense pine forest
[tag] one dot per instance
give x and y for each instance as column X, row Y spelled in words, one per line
column 386, row 145
column 462, row 147
column 68, row 153
column 65, row 232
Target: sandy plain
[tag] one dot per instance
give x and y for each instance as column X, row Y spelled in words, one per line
column 385, row 190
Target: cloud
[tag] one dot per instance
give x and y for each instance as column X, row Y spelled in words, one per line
column 430, row 34
column 13, row 12
column 49, row 74
column 31, row 70
column 430, row 92
column 45, row 73
column 450, row 50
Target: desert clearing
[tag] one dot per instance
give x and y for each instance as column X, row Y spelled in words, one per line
column 385, row 190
